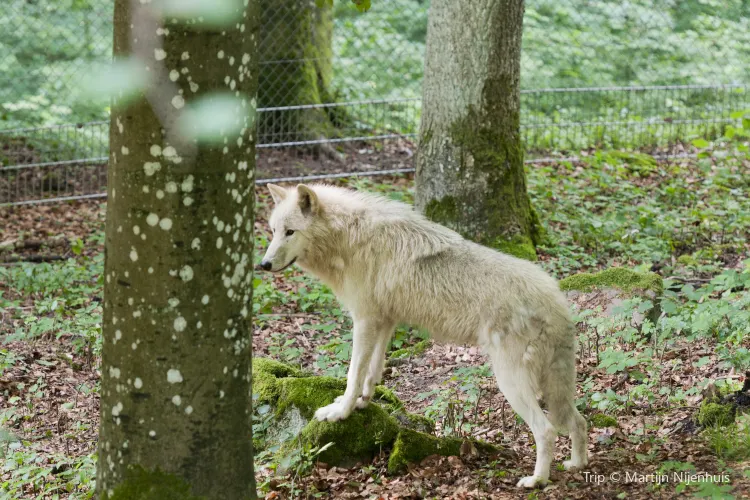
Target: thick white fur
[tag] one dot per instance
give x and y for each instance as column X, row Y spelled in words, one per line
column 388, row 264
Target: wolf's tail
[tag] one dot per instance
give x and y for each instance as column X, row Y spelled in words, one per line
column 559, row 383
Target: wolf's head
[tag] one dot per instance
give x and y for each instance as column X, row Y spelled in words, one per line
column 295, row 212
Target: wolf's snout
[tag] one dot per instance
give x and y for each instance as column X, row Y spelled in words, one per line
column 265, row 265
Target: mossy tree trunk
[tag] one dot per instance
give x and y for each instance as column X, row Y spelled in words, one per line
column 296, row 58
column 470, row 173
column 176, row 416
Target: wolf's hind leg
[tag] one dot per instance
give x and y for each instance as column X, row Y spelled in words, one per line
column 559, row 391
column 513, row 378
column 365, row 340
column 565, row 416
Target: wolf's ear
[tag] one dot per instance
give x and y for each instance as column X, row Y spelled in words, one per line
column 308, row 200
column 278, row 193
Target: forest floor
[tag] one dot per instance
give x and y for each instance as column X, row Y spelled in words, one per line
column 686, row 220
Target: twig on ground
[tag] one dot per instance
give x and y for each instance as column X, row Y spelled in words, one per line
column 14, row 259
column 287, row 315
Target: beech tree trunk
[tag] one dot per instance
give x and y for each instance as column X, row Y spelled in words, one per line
column 176, row 416
column 296, row 57
column 470, row 173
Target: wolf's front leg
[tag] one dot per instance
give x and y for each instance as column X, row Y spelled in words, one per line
column 364, row 341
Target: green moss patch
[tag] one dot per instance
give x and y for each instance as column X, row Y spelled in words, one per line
column 617, row 284
column 410, row 351
column 519, row 246
column 415, row 422
column 444, row 211
column 266, row 373
column 600, row 420
column 716, row 414
column 141, row 484
column 307, row 394
column 295, row 397
column 687, row 260
column 616, row 277
column 413, row 447
column 388, row 398
column 638, row 161
column 358, row 438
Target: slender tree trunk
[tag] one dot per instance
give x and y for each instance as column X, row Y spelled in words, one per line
column 470, row 173
column 176, row 416
column 296, row 58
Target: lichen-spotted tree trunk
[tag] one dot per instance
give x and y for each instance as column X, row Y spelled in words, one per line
column 176, row 417
column 470, row 174
column 295, row 69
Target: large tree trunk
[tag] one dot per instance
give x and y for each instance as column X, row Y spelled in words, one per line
column 296, row 58
column 470, row 173
column 176, row 356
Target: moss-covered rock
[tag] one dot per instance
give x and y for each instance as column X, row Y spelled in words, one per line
column 600, row 420
column 415, row 422
column 386, row 397
column 294, row 398
column 357, row 439
column 716, row 414
column 266, row 373
column 616, row 277
column 307, row 394
column 413, row 447
column 611, row 287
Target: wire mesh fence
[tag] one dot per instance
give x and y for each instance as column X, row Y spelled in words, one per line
column 340, row 91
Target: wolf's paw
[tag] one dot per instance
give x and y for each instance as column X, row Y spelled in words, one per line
column 332, row 413
column 573, row 465
column 531, row 482
column 362, row 403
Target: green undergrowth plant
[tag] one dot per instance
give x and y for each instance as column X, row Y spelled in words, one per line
column 601, row 211
column 731, row 442
column 31, row 470
column 456, row 405
column 718, row 312
column 66, row 299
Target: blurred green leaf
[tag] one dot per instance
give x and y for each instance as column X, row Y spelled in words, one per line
column 123, row 79
column 362, row 5
column 215, row 117
column 209, row 13
column 7, row 436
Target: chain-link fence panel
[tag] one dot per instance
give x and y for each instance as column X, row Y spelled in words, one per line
column 45, row 49
column 340, row 90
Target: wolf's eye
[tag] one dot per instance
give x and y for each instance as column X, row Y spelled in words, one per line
column 289, row 232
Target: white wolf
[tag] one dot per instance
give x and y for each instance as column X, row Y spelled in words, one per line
column 388, row 265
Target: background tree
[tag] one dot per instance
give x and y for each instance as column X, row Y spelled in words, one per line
column 176, row 413
column 296, row 55
column 470, row 173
